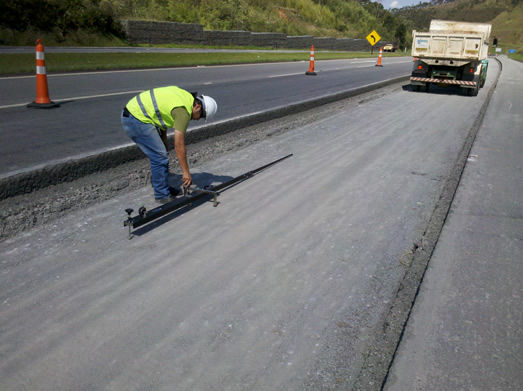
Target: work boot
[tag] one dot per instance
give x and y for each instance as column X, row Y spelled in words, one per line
column 164, row 200
column 174, row 191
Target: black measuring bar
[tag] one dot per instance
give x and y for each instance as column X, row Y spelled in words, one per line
column 144, row 216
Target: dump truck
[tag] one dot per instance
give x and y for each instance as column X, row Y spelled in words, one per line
column 451, row 53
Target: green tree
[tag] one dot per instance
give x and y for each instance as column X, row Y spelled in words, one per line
column 401, row 35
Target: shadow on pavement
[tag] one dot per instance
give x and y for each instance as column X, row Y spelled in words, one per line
column 201, row 180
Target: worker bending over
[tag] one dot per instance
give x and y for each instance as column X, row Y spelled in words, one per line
column 146, row 118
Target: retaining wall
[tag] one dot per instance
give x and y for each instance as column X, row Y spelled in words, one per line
column 139, row 31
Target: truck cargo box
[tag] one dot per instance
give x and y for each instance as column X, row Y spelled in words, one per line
column 451, row 53
column 449, row 46
column 449, row 26
column 452, row 40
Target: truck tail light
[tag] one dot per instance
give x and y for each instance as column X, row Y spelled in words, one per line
column 471, row 70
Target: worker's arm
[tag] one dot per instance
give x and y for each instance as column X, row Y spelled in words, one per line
column 181, row 154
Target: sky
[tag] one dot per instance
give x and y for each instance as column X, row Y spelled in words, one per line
column 388, row 4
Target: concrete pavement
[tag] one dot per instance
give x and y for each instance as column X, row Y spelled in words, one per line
column 283, row 290
column 284, row 286
column 464, row 332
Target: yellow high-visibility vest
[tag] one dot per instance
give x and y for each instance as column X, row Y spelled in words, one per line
column 155, row 106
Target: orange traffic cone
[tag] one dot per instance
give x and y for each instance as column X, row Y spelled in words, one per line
column 42, row 93
column 311, row 72
column 378, row 64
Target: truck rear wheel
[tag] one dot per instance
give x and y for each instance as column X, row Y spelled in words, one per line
column 473, row 91
column 418, row 88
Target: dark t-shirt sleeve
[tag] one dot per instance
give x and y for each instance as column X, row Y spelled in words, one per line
column 181, row 118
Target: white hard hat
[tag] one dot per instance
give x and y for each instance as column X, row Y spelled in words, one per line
column 209, row 106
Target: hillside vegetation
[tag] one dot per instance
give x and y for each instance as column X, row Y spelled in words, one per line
column 482, row 11
column 335, row 18
column 70, row 20
column 506, row 17
column 507, row 27
column 96, row 22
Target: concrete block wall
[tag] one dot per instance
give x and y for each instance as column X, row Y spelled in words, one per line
column 219, row 37
column 359, row 45
column 276, row 40
column 299, row 41
column 324, row 42
column 138, row 31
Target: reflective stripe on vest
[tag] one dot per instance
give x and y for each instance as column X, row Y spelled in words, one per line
column 156, row 109
column 155, row 106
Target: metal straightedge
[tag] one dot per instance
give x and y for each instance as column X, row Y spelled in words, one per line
column 189, row 195
column 188, row 191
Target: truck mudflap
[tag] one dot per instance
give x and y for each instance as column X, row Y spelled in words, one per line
column 444, row 81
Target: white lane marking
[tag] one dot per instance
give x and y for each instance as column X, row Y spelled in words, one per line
column 286, row 74
column 137, row 70
column 136, row 91
column 77, row 98
column 96, row 73
column 163, row 69
column 360, row 62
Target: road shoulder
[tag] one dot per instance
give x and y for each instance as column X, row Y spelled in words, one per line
column 464, row 330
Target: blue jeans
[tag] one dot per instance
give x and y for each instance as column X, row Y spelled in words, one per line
column 148, row 140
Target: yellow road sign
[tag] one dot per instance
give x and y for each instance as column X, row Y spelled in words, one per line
column 373, row 37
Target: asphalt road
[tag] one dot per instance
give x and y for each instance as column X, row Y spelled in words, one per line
column 280, row 287
column 88, row 119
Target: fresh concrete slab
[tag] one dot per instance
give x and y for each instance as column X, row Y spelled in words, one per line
column 281, row 287
column 465, row 330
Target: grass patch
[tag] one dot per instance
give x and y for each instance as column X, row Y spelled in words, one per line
column 70, row 62
column 507, row 28
column 516, row 56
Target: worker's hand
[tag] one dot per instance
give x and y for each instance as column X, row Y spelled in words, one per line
column 186, row 179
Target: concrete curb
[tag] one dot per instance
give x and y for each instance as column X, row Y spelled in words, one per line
column 69, row 170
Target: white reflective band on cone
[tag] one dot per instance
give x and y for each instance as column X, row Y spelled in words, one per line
column 40, row 70
column 40, row 55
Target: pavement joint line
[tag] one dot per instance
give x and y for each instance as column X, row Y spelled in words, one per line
column 69, row 169
column 378, row 361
